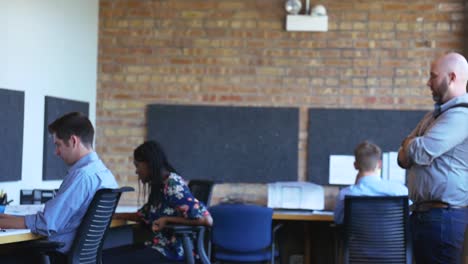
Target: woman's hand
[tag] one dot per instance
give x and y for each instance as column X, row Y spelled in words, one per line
column 159, row 224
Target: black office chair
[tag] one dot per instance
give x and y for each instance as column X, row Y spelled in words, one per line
column 91, row 233
column 377, row 230
column 201, row 189
column 193, row 237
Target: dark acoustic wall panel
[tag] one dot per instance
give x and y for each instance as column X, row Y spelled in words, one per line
column 228, row 144
column 338, row 131
column 11, row 134
column 53, row 168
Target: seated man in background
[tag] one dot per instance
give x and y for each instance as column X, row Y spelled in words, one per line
column 368, row 182
column 73, row 138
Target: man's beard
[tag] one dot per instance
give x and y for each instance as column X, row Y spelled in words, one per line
column 439, row 93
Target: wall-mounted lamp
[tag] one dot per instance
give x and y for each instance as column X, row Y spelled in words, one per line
column 293, row 6
column 315, row 20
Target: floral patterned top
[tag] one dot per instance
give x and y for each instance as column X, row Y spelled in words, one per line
column 176, row 201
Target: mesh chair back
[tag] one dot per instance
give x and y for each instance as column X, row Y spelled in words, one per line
column 377, row 230
column 87, row 246
column 241, row 227
column 201, row 189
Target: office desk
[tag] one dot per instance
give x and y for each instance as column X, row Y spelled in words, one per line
column 25, row 235
column 306, row 217
column 292, row 215
column 17, row 235
column 20, row 235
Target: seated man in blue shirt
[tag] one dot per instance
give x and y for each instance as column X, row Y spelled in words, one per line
column 368, row 182
column 73, row 138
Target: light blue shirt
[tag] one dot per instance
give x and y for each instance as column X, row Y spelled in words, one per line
column 440, row 156
column 370, row 185
column 62, row 215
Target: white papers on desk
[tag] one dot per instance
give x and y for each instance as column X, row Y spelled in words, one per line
column 390, row 169
column 342, row 170
column 126, row 209
column 10, row 232
column 24, row 209
column 296, row 195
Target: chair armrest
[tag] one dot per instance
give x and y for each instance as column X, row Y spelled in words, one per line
column 188, row 234
column 273, row 239
column 184, row 229
column 44, row 246
column 275, row 229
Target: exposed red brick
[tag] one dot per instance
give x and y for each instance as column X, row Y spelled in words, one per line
column 376, row 54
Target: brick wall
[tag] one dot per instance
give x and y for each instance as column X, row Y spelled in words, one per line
column 376, row 54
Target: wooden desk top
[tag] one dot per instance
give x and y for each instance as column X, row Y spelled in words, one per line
column 20, row 235
column 119, row 222
column 303, row 216
column 17, row 235
column 12, row 236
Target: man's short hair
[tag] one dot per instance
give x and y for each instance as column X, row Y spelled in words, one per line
column 73, row 123
column 367, row 156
